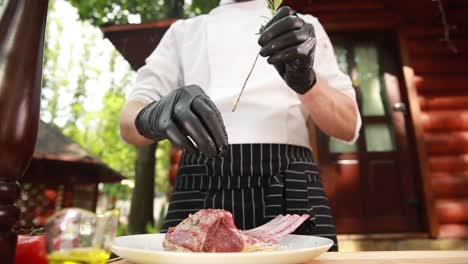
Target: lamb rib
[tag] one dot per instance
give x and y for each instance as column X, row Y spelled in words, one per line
column 213, row 230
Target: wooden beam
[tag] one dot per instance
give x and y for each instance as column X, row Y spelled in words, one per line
column 454, row 63
column 458, row 15
column 452, row 211
column 434, row 46
column 440, row 84
column 454, row 231
column 450, row 186
column 166, row 23
column 343, row 6
column 136, row 42
column 377, row 24
column 414, row 10
column 449, row 163
column 452, row 143
column 435, row 31
column 338, row 21
column 445, row 121
column 444, row 102
column 350, row 15
column 415, row 116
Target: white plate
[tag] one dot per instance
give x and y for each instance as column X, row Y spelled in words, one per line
column 147, row 249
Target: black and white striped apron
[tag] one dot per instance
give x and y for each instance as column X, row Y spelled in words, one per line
column 255, row 182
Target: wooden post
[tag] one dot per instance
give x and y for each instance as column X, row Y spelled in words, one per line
column 22, row 26
column 415, row 113
column 141, row 210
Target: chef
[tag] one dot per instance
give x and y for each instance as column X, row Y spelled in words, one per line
column 256, row 161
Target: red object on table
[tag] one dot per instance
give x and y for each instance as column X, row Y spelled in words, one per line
column 31, row 249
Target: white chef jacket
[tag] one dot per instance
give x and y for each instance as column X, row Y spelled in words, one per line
column 216, row 51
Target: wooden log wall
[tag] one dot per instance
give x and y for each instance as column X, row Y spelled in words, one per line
column 441, row 80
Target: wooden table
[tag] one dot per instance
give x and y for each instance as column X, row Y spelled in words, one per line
column 380, row 257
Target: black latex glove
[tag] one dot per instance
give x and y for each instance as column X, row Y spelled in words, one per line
column 185, row 112
column 289, row 42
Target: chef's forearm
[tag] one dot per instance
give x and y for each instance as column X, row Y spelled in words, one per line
column 128, row 131
column 332, row 111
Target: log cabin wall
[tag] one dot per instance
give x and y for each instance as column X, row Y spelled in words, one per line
column 437, row 89
column 441, row 82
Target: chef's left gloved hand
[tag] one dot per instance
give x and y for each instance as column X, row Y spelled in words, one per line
column 289, row 42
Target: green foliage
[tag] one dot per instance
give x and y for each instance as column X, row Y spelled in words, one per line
column 153, row 229
column 100, row 12
column 273, row 5
column 96, row 131
column 52, row 79
column 117, row 191
column 69, row 80
column 1, row 2
column 122, row 230
column 101, row 133
column 199, row 7
column 163, row 158
column 77, row 110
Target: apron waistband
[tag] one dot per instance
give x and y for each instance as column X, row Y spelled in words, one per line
column 246, row 160
column 204, row 182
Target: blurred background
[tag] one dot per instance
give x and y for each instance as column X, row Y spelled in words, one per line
column 402, row 186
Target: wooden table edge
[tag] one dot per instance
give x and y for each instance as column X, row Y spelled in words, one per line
column 394, row 256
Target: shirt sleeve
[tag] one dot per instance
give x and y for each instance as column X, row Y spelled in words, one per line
column 326, row 65
column 162, row 72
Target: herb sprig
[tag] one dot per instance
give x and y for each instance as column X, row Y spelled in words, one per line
column 273, row 5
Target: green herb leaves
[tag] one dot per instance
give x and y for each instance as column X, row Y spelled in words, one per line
column 273, row 5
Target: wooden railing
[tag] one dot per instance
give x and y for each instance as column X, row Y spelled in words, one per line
column 22, row 26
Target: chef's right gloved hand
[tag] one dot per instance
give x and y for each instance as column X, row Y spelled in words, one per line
column 185, row 112
column 289, row 43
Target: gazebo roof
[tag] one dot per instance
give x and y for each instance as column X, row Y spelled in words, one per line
column 136, row 41
column 59, row 160
column 52, row 143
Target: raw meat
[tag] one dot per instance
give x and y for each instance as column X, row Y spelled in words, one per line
column 213, row 230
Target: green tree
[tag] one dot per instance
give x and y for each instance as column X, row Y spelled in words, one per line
column 199, row 7
column 51, row 81
column 96, row 131
column 77, row 110
column 101, row 129
column 100, row 12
